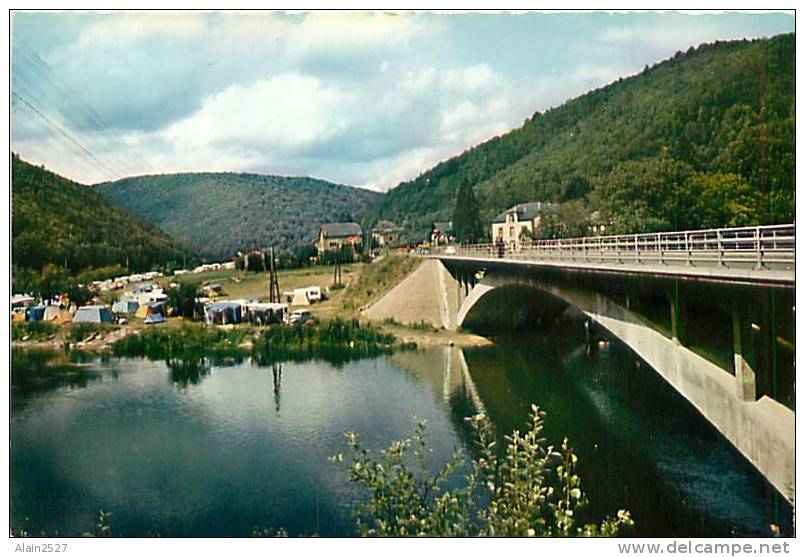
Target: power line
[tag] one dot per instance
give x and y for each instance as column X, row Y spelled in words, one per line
column 45, row 95
column 62, row 131
column 74, row 98
column 34, row 98
column 39, row 123
column 79, row 109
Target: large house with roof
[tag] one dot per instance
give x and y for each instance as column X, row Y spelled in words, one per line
column 519, row 222
column 334, row 235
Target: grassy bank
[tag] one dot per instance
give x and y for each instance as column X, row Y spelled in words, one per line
column 375, row 280
column 335, row 340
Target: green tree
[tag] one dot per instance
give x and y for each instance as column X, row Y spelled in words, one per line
column 529, row 490
column 54, row 280
column 182, row 298
column 646, row 196
column 78, row 295
column 467, row 225
column 724, row 200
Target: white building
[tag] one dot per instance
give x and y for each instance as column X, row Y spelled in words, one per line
column 519, row 222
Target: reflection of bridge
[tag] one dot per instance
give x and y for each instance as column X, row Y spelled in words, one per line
column 710, row 311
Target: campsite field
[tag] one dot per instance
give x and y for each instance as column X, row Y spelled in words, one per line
column 363, row 284
column 242, row 284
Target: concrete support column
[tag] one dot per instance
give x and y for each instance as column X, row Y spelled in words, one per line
column 676, row 322
column 744, row 374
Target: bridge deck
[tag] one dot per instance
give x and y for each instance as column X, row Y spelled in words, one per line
column 761, row 254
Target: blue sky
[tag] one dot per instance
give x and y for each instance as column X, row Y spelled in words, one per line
column 366, row 99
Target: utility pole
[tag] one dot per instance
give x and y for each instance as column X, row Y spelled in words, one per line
column 337, row 270
column 273, row 282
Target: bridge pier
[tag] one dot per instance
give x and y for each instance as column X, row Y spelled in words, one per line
column 744, row 374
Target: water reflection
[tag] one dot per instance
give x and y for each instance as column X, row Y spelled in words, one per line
column 189, row 370
column 235, row 448
column 276, row 371
column 642, row 446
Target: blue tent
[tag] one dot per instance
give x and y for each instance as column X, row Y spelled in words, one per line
column 93, row 314
column 153, row 318
column 35, row 313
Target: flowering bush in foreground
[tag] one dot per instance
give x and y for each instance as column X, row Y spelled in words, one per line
column 529, row 489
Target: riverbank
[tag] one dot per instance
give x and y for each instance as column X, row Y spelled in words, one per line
column 363, row 285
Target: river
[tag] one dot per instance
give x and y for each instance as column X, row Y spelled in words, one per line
column 235, row 448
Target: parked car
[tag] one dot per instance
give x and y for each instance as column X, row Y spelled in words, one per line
column 299, row 316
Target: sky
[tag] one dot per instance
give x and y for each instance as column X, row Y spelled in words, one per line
column 360, row 98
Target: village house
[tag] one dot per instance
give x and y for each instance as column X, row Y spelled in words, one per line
column 333, row 235
column 519, row 222
column 385, row 233
column 441, row 233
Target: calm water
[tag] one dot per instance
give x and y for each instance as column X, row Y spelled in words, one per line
column 243, row 447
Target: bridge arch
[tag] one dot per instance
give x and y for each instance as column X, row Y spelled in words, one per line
column 508, row 307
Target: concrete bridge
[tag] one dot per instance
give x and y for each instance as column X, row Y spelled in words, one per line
column 711, row 311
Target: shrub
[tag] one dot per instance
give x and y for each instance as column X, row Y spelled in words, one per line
column 32, row 330
column 528, row 490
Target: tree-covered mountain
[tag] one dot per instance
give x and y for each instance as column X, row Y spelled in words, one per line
column 59, row 222
column 227, row 212
column 705, row 138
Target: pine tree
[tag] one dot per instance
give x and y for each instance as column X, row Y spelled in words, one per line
column 466, row 215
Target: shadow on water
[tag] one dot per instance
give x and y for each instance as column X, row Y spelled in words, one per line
column 641, row 445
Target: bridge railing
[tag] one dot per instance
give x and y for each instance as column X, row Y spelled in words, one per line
column 753, row 246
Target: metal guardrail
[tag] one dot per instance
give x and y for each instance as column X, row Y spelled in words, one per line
column 755, row 247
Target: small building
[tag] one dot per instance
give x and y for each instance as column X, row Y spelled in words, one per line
column 596, row 224
column 334, row 235
column 514, row 225
column 441, row 233
column 385, row 233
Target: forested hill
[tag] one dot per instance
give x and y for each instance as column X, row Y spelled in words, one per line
column 705, row 138
column 227, row 212
column 55, row 220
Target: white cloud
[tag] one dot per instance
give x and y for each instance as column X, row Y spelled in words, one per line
column 285, row 112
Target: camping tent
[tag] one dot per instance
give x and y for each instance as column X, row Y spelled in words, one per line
column 125, row 306
column 55, row 314
column 93, row 314
column 51, row 313
column 264, row 313
column 155, row 317
column 222, row 313
column 35, row 313
column 150, row 308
